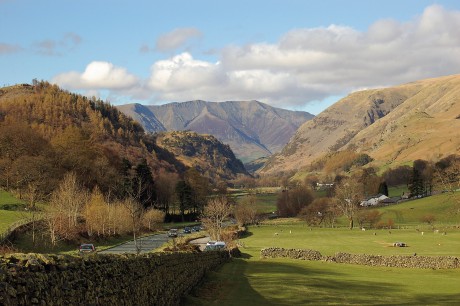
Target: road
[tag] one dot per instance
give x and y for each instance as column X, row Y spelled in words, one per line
column 201, row 242
column 146, row 244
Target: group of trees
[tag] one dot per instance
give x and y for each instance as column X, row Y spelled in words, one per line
column 46, row 132
column 297, row 199
column 75, row 211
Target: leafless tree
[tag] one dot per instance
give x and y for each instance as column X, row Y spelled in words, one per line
column 448, row 179
column 65, row 208
column 214, row 213
column 135, row 211
column 246, row 211
column 349, row 194
column 152, row 217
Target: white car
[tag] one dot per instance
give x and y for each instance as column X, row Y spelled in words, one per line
column 215, row 245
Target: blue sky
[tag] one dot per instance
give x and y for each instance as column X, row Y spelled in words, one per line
column 301, row 55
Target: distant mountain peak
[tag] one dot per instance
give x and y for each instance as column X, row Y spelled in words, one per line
column 252, row 129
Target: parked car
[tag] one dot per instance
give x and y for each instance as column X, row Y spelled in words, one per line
column 173, row 232
column 86, row 248
column 196, row 228
column 187, row 230
column 214, row 245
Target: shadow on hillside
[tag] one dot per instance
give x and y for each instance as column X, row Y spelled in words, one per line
column 227, row 286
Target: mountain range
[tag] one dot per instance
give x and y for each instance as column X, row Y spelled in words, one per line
column 252, row 129
column 395, row 125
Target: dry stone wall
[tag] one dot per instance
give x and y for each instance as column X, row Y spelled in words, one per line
column 151, row 279
column 397, row 261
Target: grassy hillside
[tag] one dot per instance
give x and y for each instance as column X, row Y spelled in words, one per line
column 418, row 120
column 409, row 213
column 9, row 212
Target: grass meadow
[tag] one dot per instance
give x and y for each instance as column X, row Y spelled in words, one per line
column 10, row 211
column 251, row 280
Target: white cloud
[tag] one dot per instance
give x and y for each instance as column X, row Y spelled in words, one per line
column 305, row 65
column 176, row 39
column 97, row 75
column 311, row 64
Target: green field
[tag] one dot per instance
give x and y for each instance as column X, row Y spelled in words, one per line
column 409, row 213
column 251, row 280
column 265, row 202
column 254, row 281
column 13, row 211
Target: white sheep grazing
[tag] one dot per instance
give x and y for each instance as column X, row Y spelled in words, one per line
column 363, row 229
column 276, row 234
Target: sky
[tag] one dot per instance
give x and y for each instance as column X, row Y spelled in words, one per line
column 293, row 54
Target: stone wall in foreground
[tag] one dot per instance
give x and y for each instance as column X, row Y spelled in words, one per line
column 151, row 279
column 396, row 261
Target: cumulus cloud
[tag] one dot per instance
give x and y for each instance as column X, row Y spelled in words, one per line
column 51, row 47
column 97, row 75
column 305, row 65
column 176, row 39
column 312, row 64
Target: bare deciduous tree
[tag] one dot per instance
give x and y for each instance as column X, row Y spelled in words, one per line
column 135, row 212
column 246, row 211
column 448, row 179
column 65, row 208
column 152, row 217
column 349, row 194
column 214, row 213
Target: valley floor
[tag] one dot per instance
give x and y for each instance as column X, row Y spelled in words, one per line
column 251, row 280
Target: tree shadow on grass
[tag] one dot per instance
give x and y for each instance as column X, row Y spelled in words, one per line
column 246, row 234
column 245, row 255
column 284, row 282
column 227, row 286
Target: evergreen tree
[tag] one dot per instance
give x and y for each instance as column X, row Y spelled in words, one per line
column 416, row 187
column 383, row 188
column 185, row 196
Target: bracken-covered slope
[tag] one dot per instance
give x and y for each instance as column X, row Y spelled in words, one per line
column 419, row 120
column 251, row 128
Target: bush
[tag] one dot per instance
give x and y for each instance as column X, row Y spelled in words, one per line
column 369, row 218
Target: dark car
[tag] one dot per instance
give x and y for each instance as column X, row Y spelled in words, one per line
column 187, row 230
column 196, row 228
column 86, row 248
